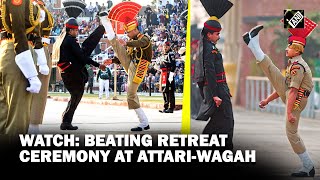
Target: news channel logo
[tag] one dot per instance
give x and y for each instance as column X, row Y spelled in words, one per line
column 293, row 18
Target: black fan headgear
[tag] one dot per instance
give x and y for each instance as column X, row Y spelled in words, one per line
column 216, row 9
column 74, row 7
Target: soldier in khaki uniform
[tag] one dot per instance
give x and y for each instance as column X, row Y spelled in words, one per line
column 293, row 89
column 135, row 58
column 39, row 100
column 18, row 74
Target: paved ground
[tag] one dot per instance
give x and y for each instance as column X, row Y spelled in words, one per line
column 95, row 118
column 266, row 133
column 253, row 130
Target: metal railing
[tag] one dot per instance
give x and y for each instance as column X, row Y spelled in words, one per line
column 259, row 88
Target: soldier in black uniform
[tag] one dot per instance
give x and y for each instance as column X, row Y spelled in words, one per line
column 168, row 66
column 73, row 71
column 216, row 104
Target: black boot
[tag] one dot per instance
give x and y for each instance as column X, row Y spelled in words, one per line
column 162, row 111
column 168, row 111
column 140, row 128
column 253, row 32
column 68, row 126
column 311, row 173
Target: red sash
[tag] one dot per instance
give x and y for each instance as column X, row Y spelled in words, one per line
column 164, row 76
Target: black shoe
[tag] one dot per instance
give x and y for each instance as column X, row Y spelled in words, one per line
column 253, row 32
column 304, row 174
column 147, row 127
column 140, row 128
column 68, row 126
column 162, row 111
column 168, row 111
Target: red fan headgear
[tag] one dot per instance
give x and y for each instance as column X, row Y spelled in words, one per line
column 298, row 36
column 125, row 12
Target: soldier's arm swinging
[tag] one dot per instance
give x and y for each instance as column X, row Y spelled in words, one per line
column 297, row 75
column 270, row 98
column 80, row 54
column 290, row 103
column 210, row 74
column 23, row 56
column 18, row 26
column 37, row 39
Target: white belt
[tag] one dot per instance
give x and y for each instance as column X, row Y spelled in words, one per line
column 46, row 40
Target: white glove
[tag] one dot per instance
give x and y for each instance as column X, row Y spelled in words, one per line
column 42, row 61
column 35, row 85
column 42, row 15
column 25, row 63
column 171, row 77
column 108, row 27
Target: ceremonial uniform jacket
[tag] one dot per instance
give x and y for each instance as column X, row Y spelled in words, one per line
column 214, row 80
column 167, row 65
column 140, row 48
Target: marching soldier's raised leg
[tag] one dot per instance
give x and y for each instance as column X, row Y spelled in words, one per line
column 269, row 69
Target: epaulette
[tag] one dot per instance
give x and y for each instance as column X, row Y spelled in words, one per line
column 140, row 36
column 296, row 65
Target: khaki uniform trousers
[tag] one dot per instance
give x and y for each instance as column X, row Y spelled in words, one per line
column 130, row 68
column 39, row 101
column 15, row 100
column 278, row 82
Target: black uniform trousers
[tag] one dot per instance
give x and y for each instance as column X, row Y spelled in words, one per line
column 168, row 96
column 222, row 121
column 74, row 82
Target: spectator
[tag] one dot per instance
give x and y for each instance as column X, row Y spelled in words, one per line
column 148, row 12
column 98, row 8
column 91, row 10
column 90, row 79
column 169, row 7
column 103, row 7
column 110, row 4
column 103, row 77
